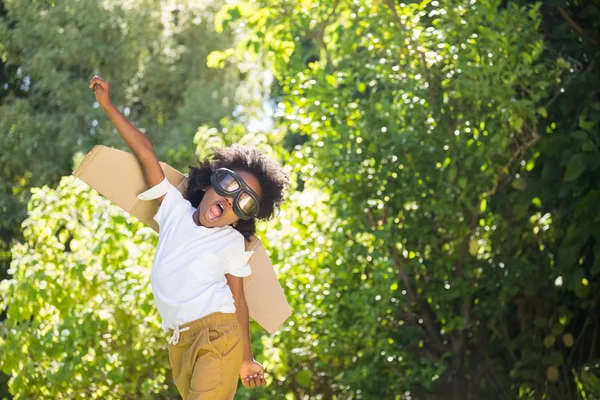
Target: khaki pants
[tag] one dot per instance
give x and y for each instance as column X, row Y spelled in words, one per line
column 207, row 358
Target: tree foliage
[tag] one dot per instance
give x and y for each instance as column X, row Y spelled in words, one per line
column 459, row 257
column 153, row 54
column 81, row 320
column 441, row 236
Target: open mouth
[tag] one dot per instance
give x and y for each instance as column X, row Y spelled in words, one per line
column 215, row 212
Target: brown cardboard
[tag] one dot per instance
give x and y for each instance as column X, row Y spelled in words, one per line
column 118, row 176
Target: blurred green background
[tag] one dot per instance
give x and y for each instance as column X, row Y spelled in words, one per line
column 442, row 236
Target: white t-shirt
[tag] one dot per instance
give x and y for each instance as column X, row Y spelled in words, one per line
column 188, row 275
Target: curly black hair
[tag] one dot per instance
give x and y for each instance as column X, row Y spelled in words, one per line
column 273, row 180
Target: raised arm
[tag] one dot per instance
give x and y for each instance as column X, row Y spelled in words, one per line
column 135, row 139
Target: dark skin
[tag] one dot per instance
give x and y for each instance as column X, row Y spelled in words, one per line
column 251, row 372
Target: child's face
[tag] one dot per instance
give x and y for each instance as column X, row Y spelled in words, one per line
column 216, row 210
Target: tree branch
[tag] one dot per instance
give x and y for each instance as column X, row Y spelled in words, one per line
column 427, row 314
column 575, row 25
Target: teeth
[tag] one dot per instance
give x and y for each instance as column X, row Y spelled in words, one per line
column 221, row 206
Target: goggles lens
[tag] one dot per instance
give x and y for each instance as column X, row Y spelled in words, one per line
column 228, row 183
column 247, row 204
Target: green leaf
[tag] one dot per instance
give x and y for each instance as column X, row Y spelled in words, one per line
column 575, row 167
column 542, row 111
column 549, row 341
column 557, row 329
column 216, row 59
column 303, row 378
column 518, row 123
column 530, row 165
column 331, row 80
column 483, row 205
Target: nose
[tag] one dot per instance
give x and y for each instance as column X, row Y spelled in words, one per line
column 229, row 200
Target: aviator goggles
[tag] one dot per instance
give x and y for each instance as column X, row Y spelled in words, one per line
column 228, row 183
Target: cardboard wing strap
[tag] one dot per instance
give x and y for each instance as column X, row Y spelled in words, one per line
column 118, row 176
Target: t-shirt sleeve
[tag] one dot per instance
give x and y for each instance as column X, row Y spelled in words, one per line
column 237, row 264
column 172, row 206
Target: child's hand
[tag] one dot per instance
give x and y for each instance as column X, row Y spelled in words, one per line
column 101, row 89
column 252, row 374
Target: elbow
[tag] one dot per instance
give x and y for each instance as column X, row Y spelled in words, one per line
column 146, row 153
column 240, row 301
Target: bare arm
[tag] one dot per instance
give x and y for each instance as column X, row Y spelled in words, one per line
column 251, row 372
column 136, row 140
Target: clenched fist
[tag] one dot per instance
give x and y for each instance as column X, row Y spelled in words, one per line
column 252, row 374
column 101, row 89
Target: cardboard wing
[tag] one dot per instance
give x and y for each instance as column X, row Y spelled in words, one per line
column 118, row 176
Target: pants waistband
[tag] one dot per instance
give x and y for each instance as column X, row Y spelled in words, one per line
column 213, row 319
